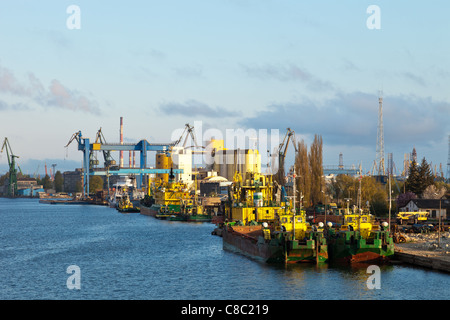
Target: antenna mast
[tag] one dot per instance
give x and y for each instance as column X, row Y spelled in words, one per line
column 448, row 160
column 380, row 138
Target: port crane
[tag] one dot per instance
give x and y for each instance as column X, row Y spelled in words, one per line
column 12, row 185
column 109, row 161
column 142, row 146
column 189, row 131
column 282, row 150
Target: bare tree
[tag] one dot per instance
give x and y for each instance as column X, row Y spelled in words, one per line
column 303, row 172
column 316, row 165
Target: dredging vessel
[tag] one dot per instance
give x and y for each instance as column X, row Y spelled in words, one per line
column 164, row 199
column 360, row 240
column 194, row 211
column 126, row 206
column 259, row 227
column 173, row 201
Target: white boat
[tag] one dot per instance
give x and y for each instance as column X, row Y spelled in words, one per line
column 125, row 184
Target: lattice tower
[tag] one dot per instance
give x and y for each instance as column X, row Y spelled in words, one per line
column 380, row 139
column 448, row 160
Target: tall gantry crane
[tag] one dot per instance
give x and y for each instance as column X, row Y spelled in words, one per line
column 189, row 130
column 282, row 150
column 109, row 161
column 12, row 185
column 142, row 146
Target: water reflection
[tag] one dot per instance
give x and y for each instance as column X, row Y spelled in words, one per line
column 130, row 256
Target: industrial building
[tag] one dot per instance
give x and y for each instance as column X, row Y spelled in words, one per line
column 214, row 185
column 26, row 187
column 227, row 162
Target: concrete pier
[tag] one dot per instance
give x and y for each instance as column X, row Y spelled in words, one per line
column 433, row 259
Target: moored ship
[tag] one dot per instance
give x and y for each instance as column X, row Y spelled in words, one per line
column 164, row 199
column 360, row 240
column 269, row 231
column 126, row 206
column 194, row 211
column 275, row 244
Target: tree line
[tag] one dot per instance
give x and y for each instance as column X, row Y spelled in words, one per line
column 96, row 183
column 309, row 172
column 344, row 189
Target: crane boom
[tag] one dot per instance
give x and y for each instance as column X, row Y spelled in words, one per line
column 189, row 130
column 282, row 150
column 75, row 136
column 100, row 138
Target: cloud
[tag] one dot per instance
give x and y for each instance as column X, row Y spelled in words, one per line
column 189, row 72
column 56, row 95
column 414, row 78
column 352, row 119
column 285, row 73
column 9, row 83
column 196, row 108
column 58, row 38
column 14, row 106
column 62, row 97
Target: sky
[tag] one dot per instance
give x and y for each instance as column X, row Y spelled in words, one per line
column 317, row 67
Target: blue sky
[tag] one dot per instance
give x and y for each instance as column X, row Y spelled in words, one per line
column 312, row 66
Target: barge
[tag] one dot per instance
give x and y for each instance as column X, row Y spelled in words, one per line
column 269, row 245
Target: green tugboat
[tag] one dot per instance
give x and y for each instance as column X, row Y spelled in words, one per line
column 359, row 240
column 193, row 211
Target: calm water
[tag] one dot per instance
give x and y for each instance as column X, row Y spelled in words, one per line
column 131, row 256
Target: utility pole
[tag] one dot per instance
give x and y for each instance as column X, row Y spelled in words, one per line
column 440, row 215
column 390, row 202
column 293, row 225
column 348, row 204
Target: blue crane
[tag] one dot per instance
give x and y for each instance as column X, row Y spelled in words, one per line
column 142, row 146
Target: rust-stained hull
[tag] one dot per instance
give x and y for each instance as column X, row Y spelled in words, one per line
column 364, row 257
column 149, row 211
column 280, row 248
column 245, row 240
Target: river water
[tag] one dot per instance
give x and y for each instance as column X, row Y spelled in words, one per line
column 71, row 252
